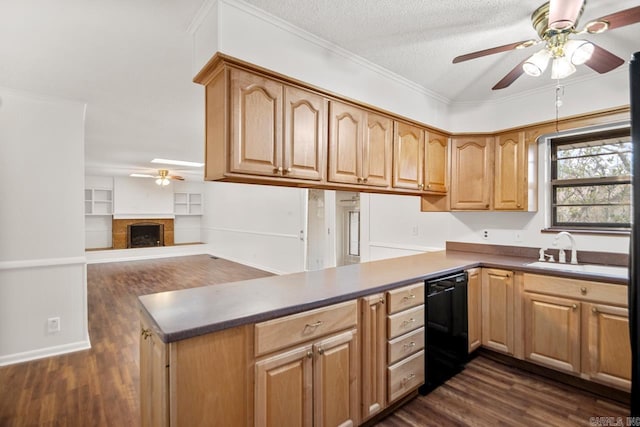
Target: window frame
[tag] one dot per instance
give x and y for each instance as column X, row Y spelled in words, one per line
column 555, row 183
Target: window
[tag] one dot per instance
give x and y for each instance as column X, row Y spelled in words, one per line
column 591, row 181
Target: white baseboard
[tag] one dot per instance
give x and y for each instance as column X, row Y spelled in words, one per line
column 41, row 353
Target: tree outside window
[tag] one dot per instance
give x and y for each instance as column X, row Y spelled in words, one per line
column 591, row 181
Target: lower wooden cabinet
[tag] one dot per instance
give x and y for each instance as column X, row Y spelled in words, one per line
column 373, row 338
column 572, row 326
column 474, row 308
column 607, row 348
column 311, row 385
column 497, row 310
column 154, row 378
column 552, row 331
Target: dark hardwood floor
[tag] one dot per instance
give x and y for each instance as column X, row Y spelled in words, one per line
column 99, row 387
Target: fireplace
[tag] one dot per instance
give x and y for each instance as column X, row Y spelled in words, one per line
column 145, row 234
column 124, row 237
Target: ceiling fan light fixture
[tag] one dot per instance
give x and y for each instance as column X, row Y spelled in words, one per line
column 578, row 51
column 562, row 67
column 537, row 63
column 162, row 181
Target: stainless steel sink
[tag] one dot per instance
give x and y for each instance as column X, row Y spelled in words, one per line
column 605, row 270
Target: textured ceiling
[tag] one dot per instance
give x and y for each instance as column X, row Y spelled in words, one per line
column 131, row 61
column 418, row 39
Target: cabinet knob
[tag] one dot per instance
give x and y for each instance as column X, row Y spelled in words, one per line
column 594, row 309
column 428, row 185
column 277, row 170
column 420, row 186
column 364, row 180
column 518, row 205
column 381, row 301
column 321, row 350
column 487, row 206
column 359, row 179
column 583, row 290
column 287, row 170
column 574, row 306
column 309, row 354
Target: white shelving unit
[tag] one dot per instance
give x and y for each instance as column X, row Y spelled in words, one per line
column 98, row 201
column 187, row 203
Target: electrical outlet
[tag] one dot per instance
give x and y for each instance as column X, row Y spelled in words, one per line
column 53, row 324
column 485, row 234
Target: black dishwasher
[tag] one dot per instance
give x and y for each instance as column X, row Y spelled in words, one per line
column 446, row 323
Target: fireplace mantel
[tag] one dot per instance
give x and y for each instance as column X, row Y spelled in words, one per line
column 119, row 229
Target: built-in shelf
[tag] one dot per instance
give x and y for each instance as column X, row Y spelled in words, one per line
column 98, row 201
column 187, row 203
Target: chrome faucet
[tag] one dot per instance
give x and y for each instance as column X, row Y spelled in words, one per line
column 574, row 252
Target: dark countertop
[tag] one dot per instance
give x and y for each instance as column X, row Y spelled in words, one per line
column 187, row 313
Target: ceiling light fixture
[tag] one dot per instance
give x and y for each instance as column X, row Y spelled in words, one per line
column 178, row 163
column 162, row 179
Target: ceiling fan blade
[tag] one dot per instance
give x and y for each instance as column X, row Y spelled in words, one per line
column 511, row 77
column 621, row 18
column 603, row 61
column 176, row 177
column 564, row 13
column 485, row 52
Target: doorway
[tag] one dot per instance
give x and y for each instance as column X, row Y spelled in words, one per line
column 347, row 228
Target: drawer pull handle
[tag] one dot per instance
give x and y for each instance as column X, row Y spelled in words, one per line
column 313, row 325
column 409, row 345
column 409, row 297
column 408, row 322
column 408, row 378
column 583, row 290
column 146, row 333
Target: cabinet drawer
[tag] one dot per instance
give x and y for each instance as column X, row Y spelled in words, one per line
column 286, row 331
column 405, row 345
column 574, row 288
column 406, row 297
column 405, row 321
column 405, row 376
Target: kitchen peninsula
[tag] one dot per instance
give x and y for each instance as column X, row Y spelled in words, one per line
column 318, row 340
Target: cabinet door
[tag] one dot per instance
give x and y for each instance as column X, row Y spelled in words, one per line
column 284, row 390
column 374, row 361
column 497, row 310
column 510, row 184
column 336, row 381
column 154, row 380
column 607, row 345
column 256, row 124
column 305, row 115
column 471, row 177
column 408, row 157
column 435, row 162
column 552, row 331
column 474, row 308
column 346, row 129
column 377, row 151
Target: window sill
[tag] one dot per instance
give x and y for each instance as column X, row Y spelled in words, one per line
column 601, row 232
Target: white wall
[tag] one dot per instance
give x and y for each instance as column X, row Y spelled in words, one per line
column 141, row 196
column 42, row 264
column 256, row 225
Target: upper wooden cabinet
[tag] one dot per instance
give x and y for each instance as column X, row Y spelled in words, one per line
column 264, row 128
column 471, row 172
column 408, row 157
column 436, row 162
column 510, row 172
column 360, row 146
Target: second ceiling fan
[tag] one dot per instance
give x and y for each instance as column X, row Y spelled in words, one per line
column 556, row 23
